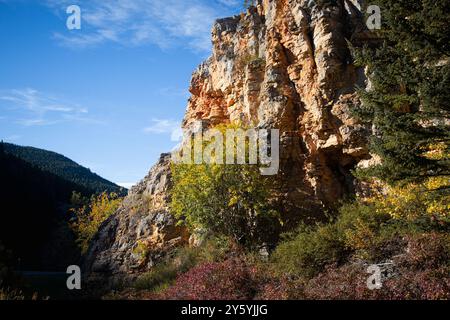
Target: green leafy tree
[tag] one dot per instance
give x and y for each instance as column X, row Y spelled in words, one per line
column 232, row 200
column 408, row 102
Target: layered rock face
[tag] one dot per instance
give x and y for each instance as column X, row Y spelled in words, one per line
column 284, row 64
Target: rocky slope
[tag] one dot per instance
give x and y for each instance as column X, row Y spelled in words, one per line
column 284, row 64
column 139, row 233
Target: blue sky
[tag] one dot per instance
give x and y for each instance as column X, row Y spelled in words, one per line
column 108, row 96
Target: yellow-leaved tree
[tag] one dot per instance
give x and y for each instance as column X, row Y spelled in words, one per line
column 90, row 216
column 226, row 199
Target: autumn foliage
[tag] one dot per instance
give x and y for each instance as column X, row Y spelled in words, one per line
column 89, row 215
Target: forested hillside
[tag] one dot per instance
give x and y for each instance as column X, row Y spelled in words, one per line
column 33, row 222
column 63, row 167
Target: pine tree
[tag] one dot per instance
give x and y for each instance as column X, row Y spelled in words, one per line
column 408, row 102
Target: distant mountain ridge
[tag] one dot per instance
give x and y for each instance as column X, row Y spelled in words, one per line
column 63, row 167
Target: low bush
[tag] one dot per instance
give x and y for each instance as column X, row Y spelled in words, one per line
column 227, row 280
column 277, row 287
column 427, row 251
column 163, row 274
column 216, row 249
column 310, row 249
column 306, row 253
column 338, row 283
column 323, row 261
column 159, row 276
column 421, row 272
column 432, row 284
column 361, row 231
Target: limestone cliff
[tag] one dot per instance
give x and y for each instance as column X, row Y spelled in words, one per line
column 284, row 64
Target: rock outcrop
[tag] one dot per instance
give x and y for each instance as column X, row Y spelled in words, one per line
column 138, row 234
column 284, row 64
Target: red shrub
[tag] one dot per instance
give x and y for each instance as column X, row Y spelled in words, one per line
column 430, row 250
column 417, row 285
column 228, row 280
column 280, row 289
column 423, row 272
column 347, row 282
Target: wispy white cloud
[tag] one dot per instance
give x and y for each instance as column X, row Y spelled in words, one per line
column 35, row 108
column 166, row 126
column 165, row 23
column 161, row 126
column 36, row 122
